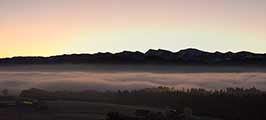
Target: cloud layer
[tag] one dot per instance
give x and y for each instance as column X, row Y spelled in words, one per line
column 82, row 80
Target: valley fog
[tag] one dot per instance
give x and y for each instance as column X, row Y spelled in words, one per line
column 115, row 77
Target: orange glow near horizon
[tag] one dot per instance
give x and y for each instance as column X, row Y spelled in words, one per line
column 52, row 27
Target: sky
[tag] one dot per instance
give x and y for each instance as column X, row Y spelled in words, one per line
column 52, row 27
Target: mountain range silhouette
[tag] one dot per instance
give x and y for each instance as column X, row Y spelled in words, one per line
column 183, row 57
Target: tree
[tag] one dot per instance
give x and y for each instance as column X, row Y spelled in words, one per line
column 5, row 92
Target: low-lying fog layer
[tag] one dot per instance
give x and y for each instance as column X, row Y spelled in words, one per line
column 102, row 77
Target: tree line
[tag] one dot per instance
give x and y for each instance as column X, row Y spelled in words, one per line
column 229, row 103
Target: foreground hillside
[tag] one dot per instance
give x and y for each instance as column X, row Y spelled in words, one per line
column 228, row 104
column 66, row 110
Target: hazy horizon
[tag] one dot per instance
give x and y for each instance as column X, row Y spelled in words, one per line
column 132, row 51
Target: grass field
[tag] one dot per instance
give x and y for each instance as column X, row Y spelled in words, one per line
column 68, row 110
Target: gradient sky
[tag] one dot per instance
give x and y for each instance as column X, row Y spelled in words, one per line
column 50, row 27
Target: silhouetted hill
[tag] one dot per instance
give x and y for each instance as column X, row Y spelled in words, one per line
column 186, row 56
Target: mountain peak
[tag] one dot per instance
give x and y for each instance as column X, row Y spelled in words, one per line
column 191, row 52
column 185, row 56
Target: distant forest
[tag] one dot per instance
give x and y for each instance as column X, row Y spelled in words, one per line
column 228, row 104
